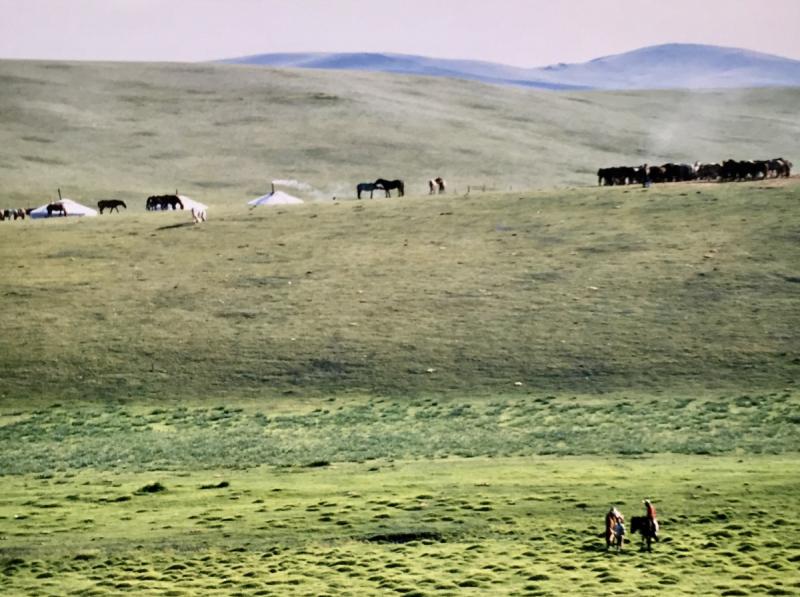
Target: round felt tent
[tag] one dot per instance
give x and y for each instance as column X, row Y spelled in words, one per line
column 275, row 198
column 72, row 208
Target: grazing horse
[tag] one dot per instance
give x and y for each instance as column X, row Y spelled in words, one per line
column 647, row 528
column 363, row 187
column 56, row 207
column 110, row 204
column 388, row 185
column 198, row 214
column 173, row 201
column 163, row 202
column 440, row 183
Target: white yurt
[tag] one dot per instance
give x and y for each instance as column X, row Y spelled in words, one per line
column 71, row 207
column 275, row 198
column 190, row 204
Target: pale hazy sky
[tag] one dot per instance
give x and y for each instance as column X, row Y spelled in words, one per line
column 517, row 32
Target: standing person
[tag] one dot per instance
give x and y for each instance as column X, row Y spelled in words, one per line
column 619, row 532
column 651, row 516
column 646, row 177
column 612, row 518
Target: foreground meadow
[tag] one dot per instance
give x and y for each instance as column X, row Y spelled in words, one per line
column 497, row 526
column 418, row 396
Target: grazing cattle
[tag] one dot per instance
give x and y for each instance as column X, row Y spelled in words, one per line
column 363, row 187
column 110, row 204
column 388, row 185
column 56, row 207
column 729, row 170
column 441, row 184
column 709, row 171
column 686, row 172
column 431, row 187
column 779, row 167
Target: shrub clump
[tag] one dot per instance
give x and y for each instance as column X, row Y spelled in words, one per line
column 152, row 488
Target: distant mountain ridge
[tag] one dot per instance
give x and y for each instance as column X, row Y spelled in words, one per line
column 669, row 66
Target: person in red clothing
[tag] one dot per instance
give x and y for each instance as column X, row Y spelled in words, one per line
column 651, row 515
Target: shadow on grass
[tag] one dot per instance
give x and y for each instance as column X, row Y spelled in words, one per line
column 183, row 225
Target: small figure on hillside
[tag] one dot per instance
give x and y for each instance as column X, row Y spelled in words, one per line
column 651, row 516
column 613, row 518
column 645, row 176
column 619, row 532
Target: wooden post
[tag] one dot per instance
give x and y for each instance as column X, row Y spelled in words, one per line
column 59, row 194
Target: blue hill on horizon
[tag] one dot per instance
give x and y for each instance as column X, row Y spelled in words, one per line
column 668, row 66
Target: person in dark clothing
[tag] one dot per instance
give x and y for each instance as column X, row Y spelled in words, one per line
column 651, row 515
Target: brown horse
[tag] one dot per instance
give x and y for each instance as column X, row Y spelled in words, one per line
column 110, row 204
column 56, row 207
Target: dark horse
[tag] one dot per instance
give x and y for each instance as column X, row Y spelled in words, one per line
column 388, row 185
column 363, row 187
column 110, row 204
column 162, row 202
column 645, row 526
column 56, row 207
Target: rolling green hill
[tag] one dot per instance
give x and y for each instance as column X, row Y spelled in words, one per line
column 680, row 288
column 221, row 133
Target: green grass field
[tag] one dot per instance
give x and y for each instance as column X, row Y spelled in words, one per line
column 415, row 397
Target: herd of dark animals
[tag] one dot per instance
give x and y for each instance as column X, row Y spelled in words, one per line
column 163, row 202
column 727, row 171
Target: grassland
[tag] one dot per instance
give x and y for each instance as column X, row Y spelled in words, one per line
column 221, row 133
column 419, row 396
column 679, row 290
column 328, row 394
column 502, row 526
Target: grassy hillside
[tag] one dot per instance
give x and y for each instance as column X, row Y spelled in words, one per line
column 220, row 133
column 673, row 289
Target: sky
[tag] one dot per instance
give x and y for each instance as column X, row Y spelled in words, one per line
column 526, row 33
